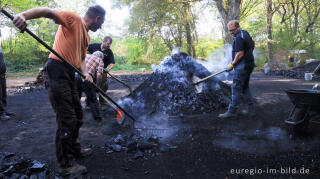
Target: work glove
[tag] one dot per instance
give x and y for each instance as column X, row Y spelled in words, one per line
column 230, row 67
column 316, row 87
column 106, row 70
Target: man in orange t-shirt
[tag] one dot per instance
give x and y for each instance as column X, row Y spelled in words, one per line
column 71, row 42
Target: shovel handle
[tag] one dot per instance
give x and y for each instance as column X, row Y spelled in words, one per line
column 119, row 80
column 206, row 78
column 7, row 14
column 317, row 70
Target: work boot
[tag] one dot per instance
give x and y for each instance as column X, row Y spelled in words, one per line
column 8, row 113
column 227, row 114
column 4, row 117
column 75, row 170
column 84, row 152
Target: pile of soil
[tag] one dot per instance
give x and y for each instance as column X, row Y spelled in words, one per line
column 169, row 90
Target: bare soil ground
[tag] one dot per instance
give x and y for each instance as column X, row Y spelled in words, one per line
column 198, row 146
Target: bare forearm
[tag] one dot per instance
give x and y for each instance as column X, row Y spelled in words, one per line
column 110, row 66
column 39, row 12
column 20, row 20
column 237, row 58
column 83, row 68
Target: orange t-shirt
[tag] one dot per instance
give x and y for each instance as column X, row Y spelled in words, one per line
column 72, row 38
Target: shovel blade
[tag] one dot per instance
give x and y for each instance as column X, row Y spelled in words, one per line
column 198, row 87
column 120, row 116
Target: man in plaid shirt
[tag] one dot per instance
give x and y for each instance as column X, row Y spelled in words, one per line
column 94, row 63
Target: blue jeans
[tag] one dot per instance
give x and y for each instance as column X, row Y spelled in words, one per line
column 240, row 90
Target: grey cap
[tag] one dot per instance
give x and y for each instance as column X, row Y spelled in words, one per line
column 98, row 54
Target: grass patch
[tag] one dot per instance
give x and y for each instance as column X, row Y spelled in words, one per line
column 31, row 72
column 130, row 68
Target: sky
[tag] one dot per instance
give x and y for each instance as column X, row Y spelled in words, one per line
column 115, row 24
column 208, row 24
column 115, row 18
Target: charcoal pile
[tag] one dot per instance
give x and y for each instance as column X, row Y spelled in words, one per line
column 297, row 72
column 131, row 77
column 137, row 145
column 24, row 89
column 17, row 167
column 168, row 90
column 308, row 67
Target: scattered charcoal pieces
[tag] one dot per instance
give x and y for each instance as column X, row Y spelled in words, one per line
column 24, row 89
column 133, row 143
column 16, row 167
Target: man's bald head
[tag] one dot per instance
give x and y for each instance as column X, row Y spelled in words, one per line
column 233, row 27
column 234, row 23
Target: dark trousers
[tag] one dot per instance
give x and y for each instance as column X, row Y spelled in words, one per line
column 90, row 92
column 3, row 93
column 61, row 87
column 3, row 87
column 103, row 84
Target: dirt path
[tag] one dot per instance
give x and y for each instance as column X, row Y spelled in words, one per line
column 198, row 146
column 14, row 82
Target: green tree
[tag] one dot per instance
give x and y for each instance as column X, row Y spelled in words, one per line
column 171, row 20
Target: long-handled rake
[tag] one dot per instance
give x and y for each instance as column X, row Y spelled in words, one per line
column 120, row 112
column 118, row 80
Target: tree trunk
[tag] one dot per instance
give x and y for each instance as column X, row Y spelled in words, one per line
column 228, row 13
column 189, row 39
column 188, row 31
column 269, row 32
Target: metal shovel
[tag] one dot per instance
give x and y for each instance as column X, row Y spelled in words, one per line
column 197, row 81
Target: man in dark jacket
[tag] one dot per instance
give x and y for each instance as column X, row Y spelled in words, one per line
column 243, row 64
column 108, row 61
column 4, row 114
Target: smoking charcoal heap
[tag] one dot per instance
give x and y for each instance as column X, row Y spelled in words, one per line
column 169, row 90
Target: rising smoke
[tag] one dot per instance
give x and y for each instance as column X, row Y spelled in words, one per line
column 169, row 92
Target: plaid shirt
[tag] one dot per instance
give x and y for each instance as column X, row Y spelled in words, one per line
column 94, row 64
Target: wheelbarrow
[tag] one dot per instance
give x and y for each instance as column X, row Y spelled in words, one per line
column 306, row 107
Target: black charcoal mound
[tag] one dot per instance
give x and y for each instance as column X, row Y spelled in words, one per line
column 298, row 72
column 168, row 90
